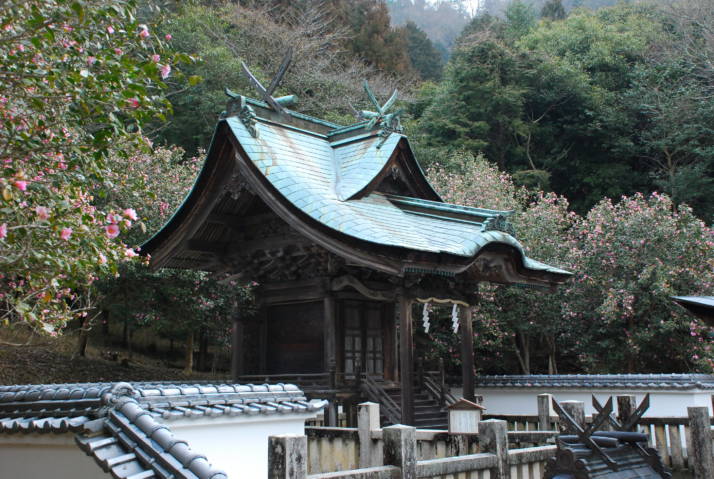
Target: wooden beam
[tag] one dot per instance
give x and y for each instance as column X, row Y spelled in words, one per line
column 348, row 280
column 329, row 331
column 200, row 246
column 467, row 352
column 406, row 358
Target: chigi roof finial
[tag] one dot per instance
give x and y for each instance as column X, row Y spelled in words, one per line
column 266, row 94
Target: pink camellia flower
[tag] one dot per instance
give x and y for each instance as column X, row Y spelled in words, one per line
column 130, row 253
column 102, row 259
column 66, row 233
column 21, row 185
column 110, row 30
column 3, row 230
column 118, row 51
column 114, row 218
column 91, row 60
column 130, row 213
column 133, row 102
column 168, row 37
column 42, row 212
column 144, row 32
column 112, row 231
column 155, row 58
column 165, row 71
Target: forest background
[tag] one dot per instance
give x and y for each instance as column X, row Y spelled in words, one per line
column 594, row 122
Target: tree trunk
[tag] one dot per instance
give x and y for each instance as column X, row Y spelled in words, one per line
column 552, row 365
column 188, row 366
column 522, row 352
column 83, row 337
column 106, row 341
column 630, row 350
column 125, row 334
column 203, row 351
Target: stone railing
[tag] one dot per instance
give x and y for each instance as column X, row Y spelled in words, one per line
column 333, row 449
column 288, row 458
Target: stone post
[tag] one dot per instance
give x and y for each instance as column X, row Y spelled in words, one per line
column 287, row 456
column 367, row 421
column 493, row 438
column 400, row 449
column 700, row 457
column 626, row 405
column 545, row 407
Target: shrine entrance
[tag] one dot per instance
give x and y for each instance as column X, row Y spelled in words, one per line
column 367, row 334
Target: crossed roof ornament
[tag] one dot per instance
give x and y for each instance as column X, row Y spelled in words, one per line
column 278, row 104
column 382, row 116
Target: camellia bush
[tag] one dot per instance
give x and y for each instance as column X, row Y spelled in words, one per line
column 631, row 257
column 78, row 79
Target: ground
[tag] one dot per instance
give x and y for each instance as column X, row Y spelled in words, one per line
column 50, row 360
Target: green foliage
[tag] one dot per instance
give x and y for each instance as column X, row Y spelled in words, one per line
column 553, row 10
column 520, row 19
column 423, row 56
column 474, row 107
column 374, row 39
column 583, row 106
column 77, row 82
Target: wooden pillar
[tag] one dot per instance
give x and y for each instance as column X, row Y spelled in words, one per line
column 263, row 341
column 406, row 358
column 237, row 348
column 329, row 331
column 467, row 352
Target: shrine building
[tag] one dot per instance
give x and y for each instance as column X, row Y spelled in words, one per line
column 343, row 233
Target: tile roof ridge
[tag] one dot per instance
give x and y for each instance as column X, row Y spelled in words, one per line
column 151, row 444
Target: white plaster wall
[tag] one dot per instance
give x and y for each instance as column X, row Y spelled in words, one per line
column 523, row 401
column 238, row 446
column 43, row 456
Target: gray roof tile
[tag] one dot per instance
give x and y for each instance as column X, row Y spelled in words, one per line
column 633, row 381
column 129, row 441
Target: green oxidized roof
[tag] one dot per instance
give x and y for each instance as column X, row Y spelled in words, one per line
column 326, row 178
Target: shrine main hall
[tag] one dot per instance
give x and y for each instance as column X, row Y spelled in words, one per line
column 344, row 236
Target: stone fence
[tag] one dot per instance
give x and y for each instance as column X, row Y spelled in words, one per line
column 495, row 452
column 288, row 458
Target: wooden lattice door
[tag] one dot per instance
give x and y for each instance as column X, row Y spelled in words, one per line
column 363, row 334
